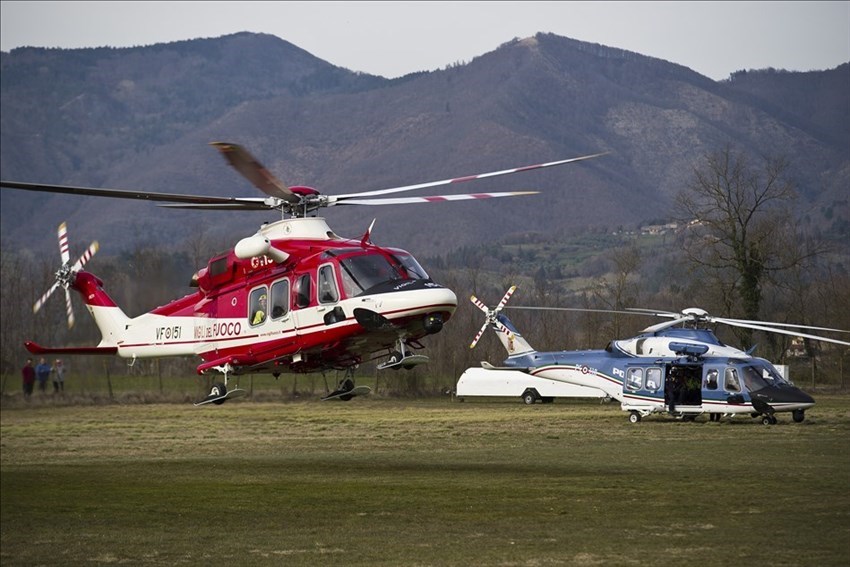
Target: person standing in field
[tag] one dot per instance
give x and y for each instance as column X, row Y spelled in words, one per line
column 58, row 376
column 28, row 373
column 42, row 373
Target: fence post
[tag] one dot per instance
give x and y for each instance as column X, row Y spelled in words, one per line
column 108, row 379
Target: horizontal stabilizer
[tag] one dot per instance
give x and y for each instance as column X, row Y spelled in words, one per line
column 38, row 349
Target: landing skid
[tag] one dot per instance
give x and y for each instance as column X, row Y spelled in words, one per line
column 346, row 389
column 346, row 395
column 219, row 392
column 217, row 398
column 408, row 361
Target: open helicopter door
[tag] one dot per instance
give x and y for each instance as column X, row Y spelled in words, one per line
column 683, row 388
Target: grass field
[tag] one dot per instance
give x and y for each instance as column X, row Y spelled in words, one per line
column 419, row 482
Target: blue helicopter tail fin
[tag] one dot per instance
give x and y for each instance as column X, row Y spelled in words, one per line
column 511, row 338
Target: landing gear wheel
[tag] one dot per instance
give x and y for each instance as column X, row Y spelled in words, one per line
column 768, row 420
column 346, row 386
column 634, row 417
column 218, row 389
column 529, row 398
column 798, row 415
column 395, row 358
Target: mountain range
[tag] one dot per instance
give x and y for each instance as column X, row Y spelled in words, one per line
column 141, row 118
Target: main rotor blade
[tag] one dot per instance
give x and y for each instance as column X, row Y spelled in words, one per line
column 666, row 324
column 791, row 325
column 467, row 178
column 749, row 325
column 244, row 204
column 129, row 194
column 580, row 309
column 432, row 199
column 64, row 252
column 655, row 312
column 242, row 161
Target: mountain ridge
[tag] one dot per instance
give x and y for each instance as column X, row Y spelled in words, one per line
column 141, row 118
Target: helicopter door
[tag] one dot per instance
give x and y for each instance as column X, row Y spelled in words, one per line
column 644, row 384
column 280, row 311
column 683, row 385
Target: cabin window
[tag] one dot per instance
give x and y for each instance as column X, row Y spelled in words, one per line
column 280, row 299
column 328, row 292
column 731, row 380
column 653, row 379
column 302, row 291
column 711, row 379
column 634, row 378
column 258, row 303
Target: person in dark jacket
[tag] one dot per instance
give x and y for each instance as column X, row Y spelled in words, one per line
column 28, row 373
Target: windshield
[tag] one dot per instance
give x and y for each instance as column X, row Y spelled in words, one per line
column 752, row 378
column 771, row 375
column 411, row 266
column 365, row 271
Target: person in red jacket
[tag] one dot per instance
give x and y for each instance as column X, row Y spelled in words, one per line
column 28, row 373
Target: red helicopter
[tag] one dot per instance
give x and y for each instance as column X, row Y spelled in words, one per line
column 294, row 297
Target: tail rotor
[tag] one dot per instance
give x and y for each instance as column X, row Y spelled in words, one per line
column 67, row 272
column 492, row 316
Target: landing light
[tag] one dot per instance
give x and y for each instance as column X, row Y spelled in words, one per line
column 433, row 323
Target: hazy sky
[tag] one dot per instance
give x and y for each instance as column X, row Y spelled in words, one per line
column 395, row 38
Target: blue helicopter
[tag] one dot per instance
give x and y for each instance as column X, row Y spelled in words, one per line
column 683, row 371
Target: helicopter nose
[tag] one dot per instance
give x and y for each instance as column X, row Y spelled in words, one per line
column 785, row 397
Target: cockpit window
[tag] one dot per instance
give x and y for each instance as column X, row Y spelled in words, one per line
column 755, row 377
column 302, row 291
column 772, row 376
column 411, row 266
column 364, row 271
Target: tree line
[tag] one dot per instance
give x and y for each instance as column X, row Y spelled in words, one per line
column 741, row 251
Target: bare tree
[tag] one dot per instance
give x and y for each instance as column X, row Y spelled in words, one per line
column 741, row 226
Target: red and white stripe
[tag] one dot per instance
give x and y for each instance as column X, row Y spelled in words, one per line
column 63, row 243
column 338, row 198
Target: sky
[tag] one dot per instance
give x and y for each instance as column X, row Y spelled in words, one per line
column 392, row 39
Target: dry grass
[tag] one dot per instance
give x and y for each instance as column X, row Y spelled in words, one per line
column 418, row 482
